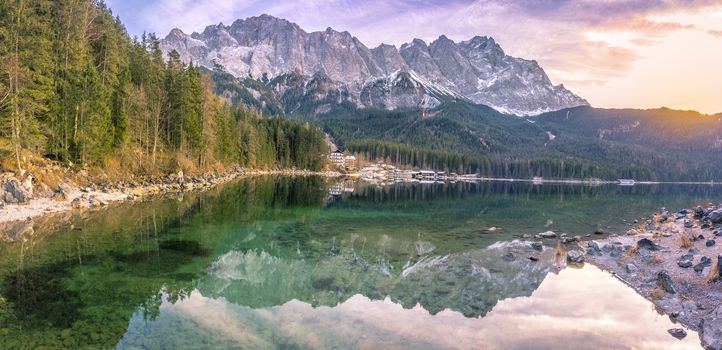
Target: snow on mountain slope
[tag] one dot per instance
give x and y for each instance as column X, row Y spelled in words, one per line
column 415, row 75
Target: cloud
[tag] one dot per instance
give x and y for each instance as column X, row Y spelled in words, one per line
column 715, row 33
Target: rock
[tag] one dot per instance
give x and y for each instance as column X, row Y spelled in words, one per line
column 600, row 231
column 631, row 268
column 614, row 249
column 710, row 243
column 575, row 256
column 715, row 216
column 704, row 262
column 698, row 212
column 537, row 245
column 685, row 263
column 664, row 281
column 16, row 191
column 680, row 215
column 688, row 223
column 79, row 203
column 2, row 204
column 646, row 243
column 547, row 234
column 565, row 239
column 593, row 248
column 711, row 334
column 664, row 216
column 678, row 333
column 533, row 258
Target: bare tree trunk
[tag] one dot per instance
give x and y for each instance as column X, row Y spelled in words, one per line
column 15, row 86
column 156, row 127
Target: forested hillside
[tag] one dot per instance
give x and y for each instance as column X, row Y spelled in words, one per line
column 580, row 142
column 75, row 87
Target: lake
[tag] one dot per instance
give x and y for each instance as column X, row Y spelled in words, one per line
column 314, row 263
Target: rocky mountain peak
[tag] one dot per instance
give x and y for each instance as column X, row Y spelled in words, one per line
column 175, row 34
column 414, row 75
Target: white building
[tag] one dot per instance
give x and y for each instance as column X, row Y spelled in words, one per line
column 337, row 157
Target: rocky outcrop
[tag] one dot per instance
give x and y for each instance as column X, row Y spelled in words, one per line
column 14, row 190
column 415, row 75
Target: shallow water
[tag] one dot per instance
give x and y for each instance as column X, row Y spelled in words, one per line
column 280, row 263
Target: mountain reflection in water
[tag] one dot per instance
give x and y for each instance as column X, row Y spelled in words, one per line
column 577, row 309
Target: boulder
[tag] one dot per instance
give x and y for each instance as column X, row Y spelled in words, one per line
column 631, row 268
column 710, row 243
column 615, row 249
column 698, row 212
column 575, row 256
column 17, row 191
column 715, row 216
column 664, row 281
column 646, row 243
column 593, row 248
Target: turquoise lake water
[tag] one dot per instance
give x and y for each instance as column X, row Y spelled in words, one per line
column 280, row 263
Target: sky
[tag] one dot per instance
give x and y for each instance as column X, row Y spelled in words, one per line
column 614, row 53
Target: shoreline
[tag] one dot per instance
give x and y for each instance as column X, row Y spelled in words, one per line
column 71, row 197
column 674, row 261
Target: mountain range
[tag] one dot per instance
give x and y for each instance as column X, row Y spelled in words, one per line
column 334, row 68
column 446, row 105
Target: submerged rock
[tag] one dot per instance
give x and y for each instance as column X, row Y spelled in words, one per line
column 547, row 234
